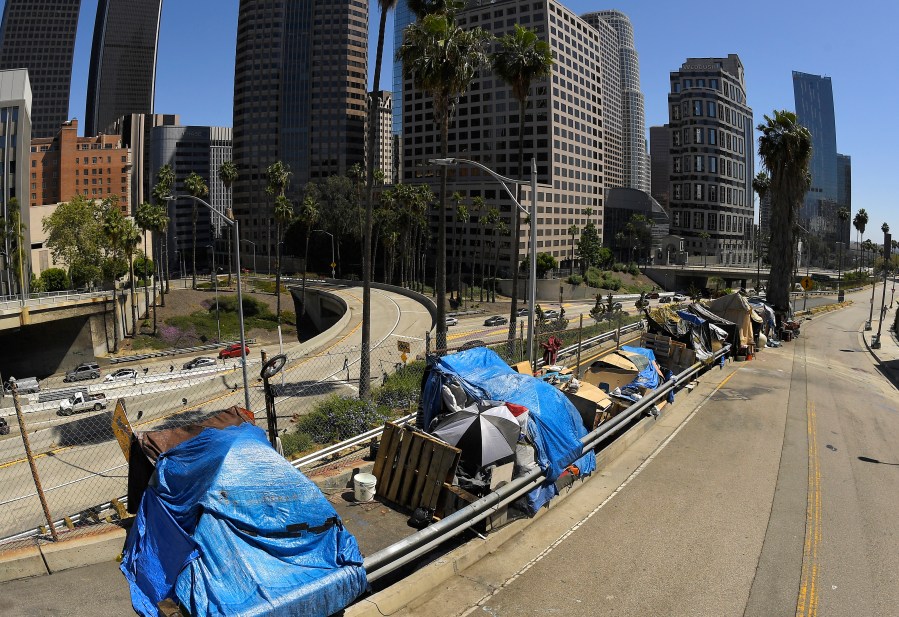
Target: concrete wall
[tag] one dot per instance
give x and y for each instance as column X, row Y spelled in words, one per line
column 548, row 290
column 323, row 307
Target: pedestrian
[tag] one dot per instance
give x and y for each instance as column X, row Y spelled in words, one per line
column 171, row 367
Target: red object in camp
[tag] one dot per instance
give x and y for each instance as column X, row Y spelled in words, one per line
column 550, row 348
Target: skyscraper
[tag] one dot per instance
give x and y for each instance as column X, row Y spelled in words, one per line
column 15, row 153
column 712, row 159
column 39, row 35
column 300, row 97
column 633, row 121
column 813, row 95
column 122, row 74
column 660, row 167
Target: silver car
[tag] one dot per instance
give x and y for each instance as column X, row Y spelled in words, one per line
column 123, row 374
column 198, row 363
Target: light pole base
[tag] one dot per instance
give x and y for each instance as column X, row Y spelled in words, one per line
column 867, row 326
column 875, row 343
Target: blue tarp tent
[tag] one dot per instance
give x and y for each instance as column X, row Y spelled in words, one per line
column 228, row 527
column 648, row 377
column 554, row 425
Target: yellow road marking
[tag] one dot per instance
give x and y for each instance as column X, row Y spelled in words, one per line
column 807, row 603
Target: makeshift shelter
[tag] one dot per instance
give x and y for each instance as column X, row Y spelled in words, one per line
column 693, row 331
column 728, row 326
column 228, row 527
column 553, row 424
column 735, row 308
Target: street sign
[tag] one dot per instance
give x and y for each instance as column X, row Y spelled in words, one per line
column 121, row 428
column 807, row 283
column 403, row 346
column 333, row 265
column 404, row 357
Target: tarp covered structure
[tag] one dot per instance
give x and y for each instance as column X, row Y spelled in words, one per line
column 735, row 308
column 554, row 425
column 702, row 311
column 228, row 527
column 694, row 333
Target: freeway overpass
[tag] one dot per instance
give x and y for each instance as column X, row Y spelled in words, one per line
column 681, row 277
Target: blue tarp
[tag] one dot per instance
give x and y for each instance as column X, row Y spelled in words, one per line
column 228, row 527
column 648, row 377
column 554, row 425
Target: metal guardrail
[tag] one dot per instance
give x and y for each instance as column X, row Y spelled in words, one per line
column 51, row 299
column 176, row 352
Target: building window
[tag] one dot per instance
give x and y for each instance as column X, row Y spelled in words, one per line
column 688, row 83
column 677, row 165
column 675, row 87
column 721, row 194
column 697, row 192
column 675, row 112
column 697, row 136
column 676, row 219
column 712, row 109
column 675, row 138
column 677, row 193
column 713, row 84
column 713, row 218
column 698, row 222
column 697, row 163
column 713, row 167
column 697, row 108
column 713, row 137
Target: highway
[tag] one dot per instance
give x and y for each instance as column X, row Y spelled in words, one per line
column 769, row 490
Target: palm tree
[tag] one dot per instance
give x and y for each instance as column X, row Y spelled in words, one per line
column 462, row 216
column 309, row 215
column 442, row 59
column 457, row 203
column 165, row 186
column 113, row 228
column 228, row 175
column 520, row 59
column 196, row 186
column 278, row 175
column 130, row 240
column 859, row 222
column 499, row 230
column 843, row 218
column 143, row 216
column 785, row 148
column 760, row 184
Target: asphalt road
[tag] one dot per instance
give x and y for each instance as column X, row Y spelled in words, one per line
column 748, row 497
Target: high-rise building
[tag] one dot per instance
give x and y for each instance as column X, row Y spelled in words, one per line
column 200, row 150
column 300, row 97
column 402, row 17
column 39, row 35
column 134, row 131
column 563, row 131
column 384, row 137
column 660, row 167
column 67, row 165
column 15, row 153
column 633, row 121
column 712, row 159
column 612, row 121
column 844, row 193
column 122, row 75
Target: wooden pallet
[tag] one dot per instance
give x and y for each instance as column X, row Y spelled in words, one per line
column 660, row 345
column 412, row 468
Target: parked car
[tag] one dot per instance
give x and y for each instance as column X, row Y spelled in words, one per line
column 81, row 402
column 26, row 385
column 86, row 370
column 523, row 312
column 123, row 374
column 232, row 351
column 198, row 363
column 551, row 314
column 496, row 320
column 679, row 297
column 653, row 295
column 664, row 299
column 452, row 321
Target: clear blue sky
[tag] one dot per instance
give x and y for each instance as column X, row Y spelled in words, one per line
column 852, row 43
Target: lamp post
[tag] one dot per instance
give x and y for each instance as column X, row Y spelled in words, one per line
column 506, row 182
column 875, row 344
column 254, row 253
column 229, row 218
column 215, row 279
column 333, row 263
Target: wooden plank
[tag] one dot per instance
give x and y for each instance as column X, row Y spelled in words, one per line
column 432, row 478
column 410, row 475
column 439, row 474
column 402, row 465
column 386, row 439
column 427, row 453
column 387, row 465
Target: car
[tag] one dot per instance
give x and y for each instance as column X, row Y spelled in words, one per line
column 523, row 312
column 653, row 295
column 550, row 314
column 232, row 351
column 664, row 299
column 85, row 370
column 452, row 321
column 4, row 427
column 496, row 320
column 679, row 297
column 123, row 374
column 26, row 385
column 198, row 363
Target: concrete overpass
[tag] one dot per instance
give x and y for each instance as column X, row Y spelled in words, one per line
column 682, row 276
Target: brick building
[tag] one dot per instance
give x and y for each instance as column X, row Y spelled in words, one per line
column 66, row 165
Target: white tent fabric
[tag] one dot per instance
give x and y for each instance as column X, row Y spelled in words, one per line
column 483, row 436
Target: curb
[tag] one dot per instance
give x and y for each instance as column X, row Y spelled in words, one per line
column 39, row 557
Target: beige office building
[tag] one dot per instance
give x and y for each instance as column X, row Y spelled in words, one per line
column 564, row 131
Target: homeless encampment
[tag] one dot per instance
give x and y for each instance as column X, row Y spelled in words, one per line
column 553, row 426
column 228, row 527
column 692, row 330
column 735, row 308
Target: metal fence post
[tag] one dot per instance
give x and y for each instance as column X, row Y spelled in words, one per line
column 580, row 330
column 30, row 456
column 427, row 343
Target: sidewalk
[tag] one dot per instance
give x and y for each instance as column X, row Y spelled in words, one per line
column 887, row 356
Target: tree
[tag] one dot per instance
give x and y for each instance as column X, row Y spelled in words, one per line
column 162, row 192
column 75, row 238
column 55, row 279
column 308, row 217
column 520, row 59
column 130, row 240
column 196, row 186
column 144, row 216
column 113, row 228
column 785, row 148
column 228, row 175
column 859, row 222
column 278, row 175
column 843, row 218
column 442, row 60
column 462, row 216
column 572, row 231
column 457, row 204
column 704, row 236
column 589, row 247
column 12, row 239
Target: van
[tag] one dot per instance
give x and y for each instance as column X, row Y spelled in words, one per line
column 87, row 370
column 26, row 385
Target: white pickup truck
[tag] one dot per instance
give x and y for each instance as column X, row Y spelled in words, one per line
column 81, row 402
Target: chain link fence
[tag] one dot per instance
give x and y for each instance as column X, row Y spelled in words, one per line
column 81, row 467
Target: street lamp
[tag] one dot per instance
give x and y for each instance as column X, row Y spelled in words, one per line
column 254, row 253
column 333, row 263
column 228, row 217
column 215, row 279
column 506, row 182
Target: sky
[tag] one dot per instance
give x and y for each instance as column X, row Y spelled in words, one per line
column 854, row 44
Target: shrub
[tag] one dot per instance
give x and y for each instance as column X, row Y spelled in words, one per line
column 295, row 444
column 401, row 389
column 251, row 306
column 619, row 267
column 338, row 418
column 575, row 279
column 55, row 279
column 633, row 269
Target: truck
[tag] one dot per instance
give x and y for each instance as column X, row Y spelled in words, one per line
column 82, row 402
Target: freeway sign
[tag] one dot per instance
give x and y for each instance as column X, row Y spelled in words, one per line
column 807, row 283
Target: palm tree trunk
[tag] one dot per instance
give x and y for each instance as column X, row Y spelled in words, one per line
column 305, row 269
column 516, row 231
column 168, row 269
column 278, row 273
column 495, row 266
column 440, row 283
column 193, row 283
column 230, row 263
column 146, row 276
column 483, row 256
column 133, row 296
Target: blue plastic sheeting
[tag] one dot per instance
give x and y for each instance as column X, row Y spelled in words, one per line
column 554, row 425
column 649, row 376
column 228, row 527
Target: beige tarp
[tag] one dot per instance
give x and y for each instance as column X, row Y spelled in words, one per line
column 735, row 308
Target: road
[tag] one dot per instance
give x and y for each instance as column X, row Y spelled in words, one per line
column 749, row 497
column 80, row 464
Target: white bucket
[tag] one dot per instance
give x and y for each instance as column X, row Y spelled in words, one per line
column 364, row 486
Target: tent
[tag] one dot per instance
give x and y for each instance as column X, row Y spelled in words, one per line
column 554, row 426
column 692, row 330
column 228, row 527
column 735, row 308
